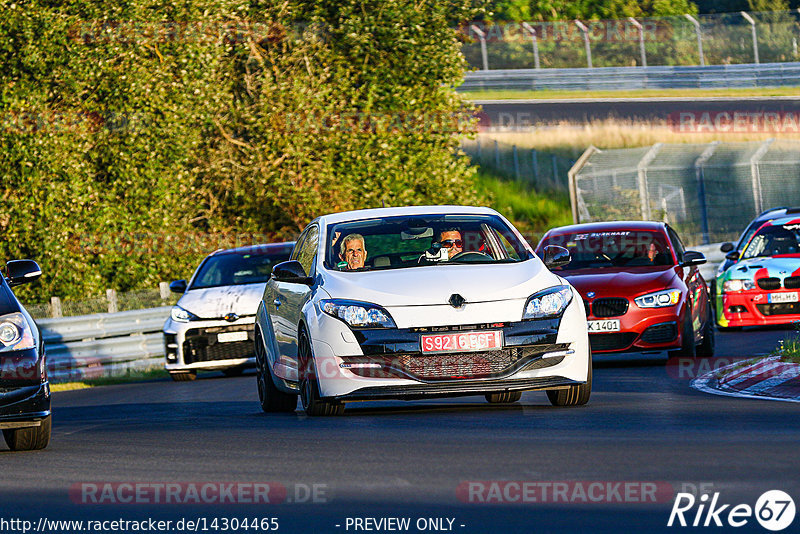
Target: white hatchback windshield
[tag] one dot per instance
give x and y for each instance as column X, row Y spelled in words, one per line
column 416, row 241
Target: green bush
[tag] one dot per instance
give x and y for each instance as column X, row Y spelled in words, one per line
column 137, row 138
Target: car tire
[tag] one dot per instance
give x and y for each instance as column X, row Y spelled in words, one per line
column 688, row 348
column 506, row 397
column 272, row 399
column 706, row 348
column 31, row 438
column 313, row 403
column 574, row 395
column 183, row 376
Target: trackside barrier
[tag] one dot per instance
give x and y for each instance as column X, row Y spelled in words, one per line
column 632, row 78
column 104, row 344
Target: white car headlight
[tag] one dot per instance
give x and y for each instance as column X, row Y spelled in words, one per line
column 731, row 286
column 358, row 314
column 180, row 315
column 548, row 303
column 15, row 333
column 659, row 299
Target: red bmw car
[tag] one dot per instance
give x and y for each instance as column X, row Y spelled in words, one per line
column 642, row 291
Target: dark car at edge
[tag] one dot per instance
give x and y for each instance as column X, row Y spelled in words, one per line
column 24, row 389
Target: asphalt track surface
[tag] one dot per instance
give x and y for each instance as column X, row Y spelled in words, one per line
column 515, row 113
column 407, row 459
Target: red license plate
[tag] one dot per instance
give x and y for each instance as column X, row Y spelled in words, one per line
column 462, row 341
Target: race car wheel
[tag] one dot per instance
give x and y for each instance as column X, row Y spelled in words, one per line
column 574, row 395
column 506, row 397
column 706, row 348
column 269, row 396
column 31, row 438
column 313, row 403
column 183, row 376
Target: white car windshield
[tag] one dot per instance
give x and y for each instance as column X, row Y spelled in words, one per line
column 415, row 241
column 236, row 268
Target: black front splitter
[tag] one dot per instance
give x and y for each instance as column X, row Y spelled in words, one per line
column 456, row 389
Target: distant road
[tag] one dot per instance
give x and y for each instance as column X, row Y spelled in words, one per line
column 500, row 112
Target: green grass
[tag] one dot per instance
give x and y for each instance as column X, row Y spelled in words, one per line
column 127, row 378
column 643, row 93
column 790, row 350
column 533, row 213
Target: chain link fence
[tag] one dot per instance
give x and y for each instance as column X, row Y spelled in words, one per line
column 542, row 171
column 708, row 192
column 718, row 39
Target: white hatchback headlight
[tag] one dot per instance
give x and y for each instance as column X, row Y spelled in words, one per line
column 358, row 314
column 548, row 303
column 15, row 333
column 731, row 286
column 180, row 315
column 659, row 299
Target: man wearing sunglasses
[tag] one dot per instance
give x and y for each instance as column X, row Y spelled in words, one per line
column 451, row 241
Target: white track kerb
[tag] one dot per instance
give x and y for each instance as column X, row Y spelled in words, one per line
column 752, row 379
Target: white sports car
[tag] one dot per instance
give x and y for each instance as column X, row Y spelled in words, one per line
column 418, row 302
column 211, row 327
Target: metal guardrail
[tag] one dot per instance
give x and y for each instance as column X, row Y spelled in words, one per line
column 631, row 78
column 103, row 344
column 103, row 325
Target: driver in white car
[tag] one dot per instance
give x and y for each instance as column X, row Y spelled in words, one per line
column 451, row 241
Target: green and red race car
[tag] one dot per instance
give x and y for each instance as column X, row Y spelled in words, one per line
column 762, row 286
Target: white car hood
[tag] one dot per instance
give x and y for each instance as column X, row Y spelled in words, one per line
column 434, row 285
column 216, row 302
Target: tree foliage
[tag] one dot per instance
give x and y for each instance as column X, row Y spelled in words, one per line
column 587, row 9
column 140, row 136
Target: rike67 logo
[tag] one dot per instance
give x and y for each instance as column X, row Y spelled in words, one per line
column 774, row 510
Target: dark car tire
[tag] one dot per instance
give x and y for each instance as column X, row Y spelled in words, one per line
column 31, row 438
column 506, row 397
column 688, row 348
column 313, row 403
column 272, row 399
column 706, row 348
column 183, row 376
column 574, row 395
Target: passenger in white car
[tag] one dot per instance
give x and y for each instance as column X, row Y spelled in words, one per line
column 353, row 252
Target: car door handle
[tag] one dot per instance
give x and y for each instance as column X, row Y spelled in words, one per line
column 277, row 302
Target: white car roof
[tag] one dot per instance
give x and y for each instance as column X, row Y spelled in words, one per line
column 405, row 210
